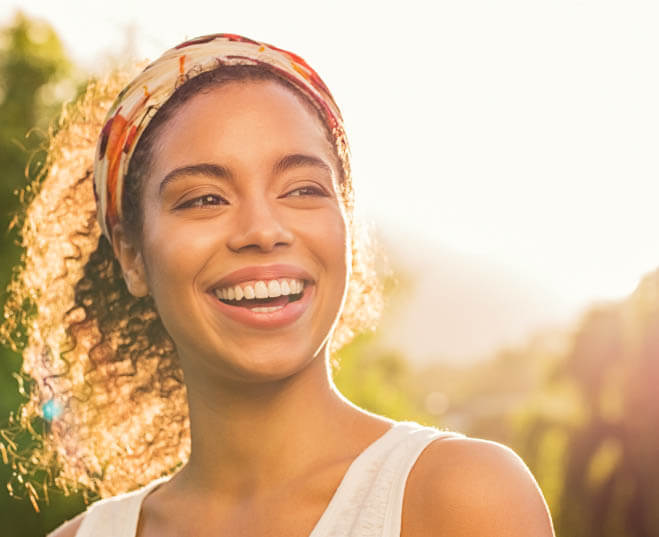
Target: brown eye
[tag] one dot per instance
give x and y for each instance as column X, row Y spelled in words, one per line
column 306, row 191
column 203, row 201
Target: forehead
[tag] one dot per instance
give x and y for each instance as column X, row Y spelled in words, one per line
column 245, row 120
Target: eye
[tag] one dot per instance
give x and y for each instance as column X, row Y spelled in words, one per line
column 203, row 201
column 306, row 191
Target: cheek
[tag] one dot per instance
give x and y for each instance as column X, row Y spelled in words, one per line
column 174, row 256
column 334, row 246
column 343, row 240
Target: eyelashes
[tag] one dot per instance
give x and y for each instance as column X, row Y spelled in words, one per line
column 213, row 200
column 306, row 191
column 207, row 200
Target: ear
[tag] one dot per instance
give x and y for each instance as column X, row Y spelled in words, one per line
column 132, row 262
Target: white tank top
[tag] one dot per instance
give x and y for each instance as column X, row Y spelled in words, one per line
column 367, row 503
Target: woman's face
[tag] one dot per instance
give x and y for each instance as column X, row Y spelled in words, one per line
column 241, row 200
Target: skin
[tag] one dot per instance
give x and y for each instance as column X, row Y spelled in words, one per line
column 261, row 400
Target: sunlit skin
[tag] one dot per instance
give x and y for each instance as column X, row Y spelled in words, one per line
column 200, row 227
column 271, row 436
column 260, row 399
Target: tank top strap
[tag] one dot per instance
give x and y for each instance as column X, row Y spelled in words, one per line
column 369, row 501
column 400, row 463
column 117, row 516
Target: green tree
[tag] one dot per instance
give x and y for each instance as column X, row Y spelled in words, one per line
column 380, row 382
column 35, row 78
column 604, row 453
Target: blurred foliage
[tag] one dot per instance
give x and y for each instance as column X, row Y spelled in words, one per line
column 382, row 383
column 35, row 78
column 606, row 449
column 581, row 408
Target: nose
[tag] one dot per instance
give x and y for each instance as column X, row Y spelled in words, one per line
column 259, row 227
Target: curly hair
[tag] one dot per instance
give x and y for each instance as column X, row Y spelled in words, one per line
column 105, row 406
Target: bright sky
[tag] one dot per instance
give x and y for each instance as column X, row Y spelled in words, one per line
column 523, row 132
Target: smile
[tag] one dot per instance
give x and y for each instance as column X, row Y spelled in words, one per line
column 250, row 293
column 264, row 296
column 269, row 312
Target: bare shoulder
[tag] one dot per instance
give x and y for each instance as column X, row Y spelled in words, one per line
column 467, row 487
column 69, row 528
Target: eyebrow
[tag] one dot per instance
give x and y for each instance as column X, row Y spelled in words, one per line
column 296, row 160
column 209, row 170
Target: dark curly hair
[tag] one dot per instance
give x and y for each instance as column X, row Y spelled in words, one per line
column 106, row 407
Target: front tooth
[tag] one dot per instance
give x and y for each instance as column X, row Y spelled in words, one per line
column 285, row 289
column 231, row 293
column 273, row 289
column 260, row 290
column 239, row 292
column 249, row 292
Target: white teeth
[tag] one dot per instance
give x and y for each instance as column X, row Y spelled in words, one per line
column 266, row 309
column 273, row 289
column 260, row 290
column 239, row 292
column 249, row 292
column 285, row 289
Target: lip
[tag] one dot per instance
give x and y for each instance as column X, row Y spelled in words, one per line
column 290, row 313
column 262, row 272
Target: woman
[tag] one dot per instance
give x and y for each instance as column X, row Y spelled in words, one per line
column 223, row 189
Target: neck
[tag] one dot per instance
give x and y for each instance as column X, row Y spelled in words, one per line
column 251, row 436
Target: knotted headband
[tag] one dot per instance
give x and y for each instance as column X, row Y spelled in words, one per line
column 134, row 107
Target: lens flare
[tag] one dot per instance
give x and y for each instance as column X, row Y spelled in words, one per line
column 51, row 410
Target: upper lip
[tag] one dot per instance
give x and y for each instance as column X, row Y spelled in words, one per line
column 263, row 272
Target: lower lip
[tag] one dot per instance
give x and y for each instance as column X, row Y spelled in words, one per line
column 290, row 313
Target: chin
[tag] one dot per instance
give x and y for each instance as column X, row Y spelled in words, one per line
column 260, row 363
column 279, row 364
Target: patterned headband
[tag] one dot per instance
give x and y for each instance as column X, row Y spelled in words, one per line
column 133, row 109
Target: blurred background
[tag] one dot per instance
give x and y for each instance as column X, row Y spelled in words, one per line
column 505, row 155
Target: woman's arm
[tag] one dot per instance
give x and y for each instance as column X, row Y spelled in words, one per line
column 462, row 487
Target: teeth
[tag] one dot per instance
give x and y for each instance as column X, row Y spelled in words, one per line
column 273, row 289
column 261, row 289
column 285, row 289
column 249, row 291
column 266, row 309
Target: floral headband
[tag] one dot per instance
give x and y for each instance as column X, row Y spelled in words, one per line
column 133, row 109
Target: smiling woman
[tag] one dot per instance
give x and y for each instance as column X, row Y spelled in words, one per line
column 186, row 311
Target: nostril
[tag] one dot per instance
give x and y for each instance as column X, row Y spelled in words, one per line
column 262, row 241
